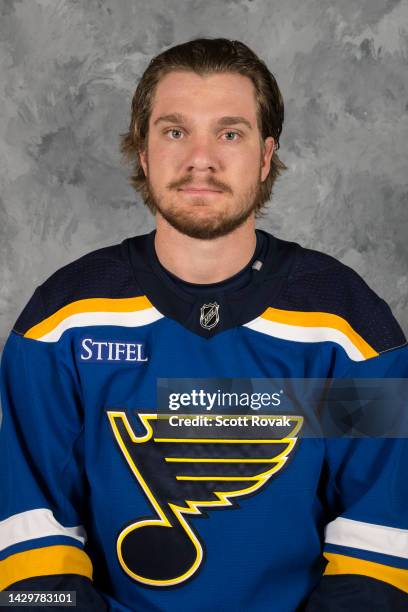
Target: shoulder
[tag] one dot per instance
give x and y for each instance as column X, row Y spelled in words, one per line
column 319, row 283
column 103, row 273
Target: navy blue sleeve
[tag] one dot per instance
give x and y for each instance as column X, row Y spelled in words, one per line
column 355, row 594
column 88, row 599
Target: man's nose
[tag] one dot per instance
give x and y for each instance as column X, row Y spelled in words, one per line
column 202, row 155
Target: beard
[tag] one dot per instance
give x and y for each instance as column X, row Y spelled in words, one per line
column 187, row 218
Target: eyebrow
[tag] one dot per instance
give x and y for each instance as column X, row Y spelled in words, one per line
column 222, row 122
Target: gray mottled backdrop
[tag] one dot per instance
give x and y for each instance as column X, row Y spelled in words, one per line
column 68, row 69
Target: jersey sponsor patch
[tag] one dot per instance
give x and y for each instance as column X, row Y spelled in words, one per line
column 108, row 350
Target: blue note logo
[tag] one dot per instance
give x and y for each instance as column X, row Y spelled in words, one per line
column 185, row 472
column 107, row 350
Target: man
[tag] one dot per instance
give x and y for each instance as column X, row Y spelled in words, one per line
column 104, row 481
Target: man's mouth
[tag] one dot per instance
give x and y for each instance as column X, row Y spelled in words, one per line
column 199, row 191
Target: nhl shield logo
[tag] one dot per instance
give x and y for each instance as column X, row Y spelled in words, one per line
column 209, row 315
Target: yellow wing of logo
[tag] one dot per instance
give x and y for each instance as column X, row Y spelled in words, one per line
column 185, row 470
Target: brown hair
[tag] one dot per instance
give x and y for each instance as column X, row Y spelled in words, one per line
column 205, row 56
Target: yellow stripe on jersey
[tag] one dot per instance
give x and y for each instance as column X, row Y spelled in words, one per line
column 89, row 305
column 46, row 561
column 316, row 320
column 343, row 564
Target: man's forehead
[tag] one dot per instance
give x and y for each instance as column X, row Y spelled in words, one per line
column 222, row 94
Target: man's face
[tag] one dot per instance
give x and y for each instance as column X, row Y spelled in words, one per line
column 203, row 162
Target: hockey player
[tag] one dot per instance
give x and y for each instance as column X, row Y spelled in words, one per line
column 137, row 505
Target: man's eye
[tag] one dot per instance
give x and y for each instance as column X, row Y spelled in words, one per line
column 174, row 133
column 232, row 135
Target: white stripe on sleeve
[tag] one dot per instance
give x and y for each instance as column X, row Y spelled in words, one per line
column 368, row 536
column 38, row 523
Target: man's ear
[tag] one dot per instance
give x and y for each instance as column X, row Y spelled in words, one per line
column 267, row 152
column 143, row 160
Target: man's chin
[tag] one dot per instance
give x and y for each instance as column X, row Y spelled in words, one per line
column 204, row 227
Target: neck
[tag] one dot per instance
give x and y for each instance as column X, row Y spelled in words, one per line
column 204, row 261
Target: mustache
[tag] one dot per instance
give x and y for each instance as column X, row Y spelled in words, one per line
column 211, row 183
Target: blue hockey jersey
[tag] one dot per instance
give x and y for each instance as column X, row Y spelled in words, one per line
column 101, row 481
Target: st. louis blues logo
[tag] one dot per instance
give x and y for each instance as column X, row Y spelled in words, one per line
column 209, row 315
column 185, row 471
